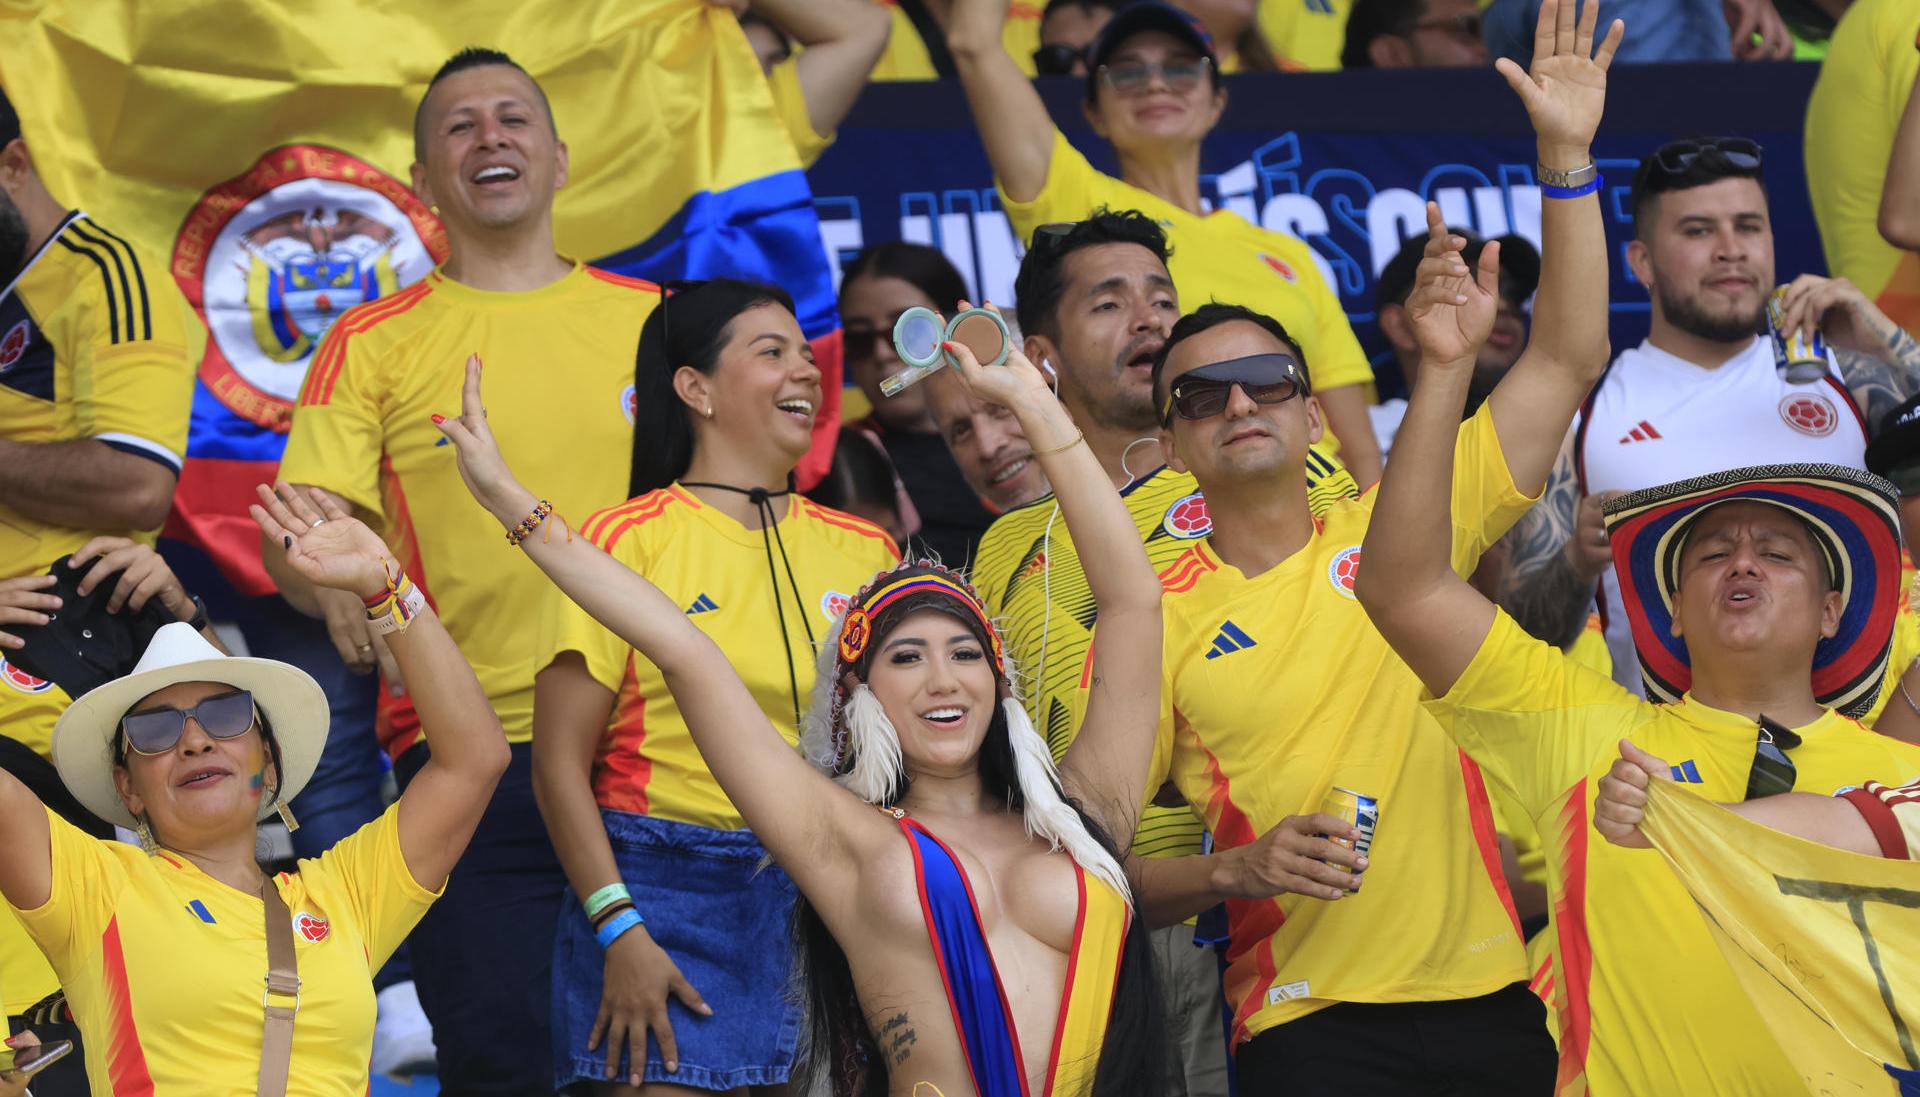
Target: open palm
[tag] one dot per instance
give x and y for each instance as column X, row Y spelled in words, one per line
column 327, row 546
column 1565, row 89
column 1451, row 311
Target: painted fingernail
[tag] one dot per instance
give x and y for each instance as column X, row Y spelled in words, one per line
column 438, row 419
column 287, row 540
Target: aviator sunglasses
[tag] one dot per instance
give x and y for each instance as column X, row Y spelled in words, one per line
column 1204, row 392
column 158, row 730
column 1773, row 772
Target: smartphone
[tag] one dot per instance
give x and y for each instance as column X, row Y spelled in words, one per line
column 32, row 1060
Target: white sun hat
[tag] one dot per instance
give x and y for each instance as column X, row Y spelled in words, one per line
column 287, row 696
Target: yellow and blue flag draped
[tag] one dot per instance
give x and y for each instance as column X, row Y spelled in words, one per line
column 1826, row 943
column 264, row 148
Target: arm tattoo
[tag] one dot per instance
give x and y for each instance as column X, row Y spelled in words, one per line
column 1540, row 591
column 1879, row 383
column 896, row 1038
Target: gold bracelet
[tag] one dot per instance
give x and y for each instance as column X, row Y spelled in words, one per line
column 1079, row 436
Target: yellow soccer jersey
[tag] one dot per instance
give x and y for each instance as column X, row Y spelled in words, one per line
column 93, row 344
column 1644, row 1001
column 717, row 570
column 162, row 963
column 559, row 386
column 790, row 100
column 1219, row 257
column 1279, row 688
column 1851, row 118
column 906, row 56
column 1307, row 34
column 1028, row 573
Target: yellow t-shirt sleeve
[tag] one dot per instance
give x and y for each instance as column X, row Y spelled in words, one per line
column 335, row 442
column 567, row 627
column 1486, row 502
column 790, row 99
column 137, row 393
column 387, row 900
column 1073, row 189
column 1532, row 718
column 86, row 881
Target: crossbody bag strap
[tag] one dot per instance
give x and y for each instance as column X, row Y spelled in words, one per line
column 281, row 999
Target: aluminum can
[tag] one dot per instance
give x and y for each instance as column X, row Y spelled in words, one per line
column 1802, row 359
column 1361, row 810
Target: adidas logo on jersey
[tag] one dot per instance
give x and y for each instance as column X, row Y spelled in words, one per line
column 1642, row 433
column 701, row 604
column 1230, row 640
column 1686, row 773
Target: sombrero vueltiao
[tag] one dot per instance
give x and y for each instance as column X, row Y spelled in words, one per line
column 1854, row 515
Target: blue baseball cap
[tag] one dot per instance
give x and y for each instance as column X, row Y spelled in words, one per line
column 1149, row 15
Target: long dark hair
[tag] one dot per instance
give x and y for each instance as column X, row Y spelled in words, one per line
column 836, row 1045
column 690, row 327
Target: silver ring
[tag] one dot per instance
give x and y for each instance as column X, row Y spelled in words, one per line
column 317, row 523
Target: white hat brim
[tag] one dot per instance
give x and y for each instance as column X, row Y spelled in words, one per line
column 291, row 700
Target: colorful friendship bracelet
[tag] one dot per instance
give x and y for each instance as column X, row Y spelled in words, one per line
column 604, row 898
column 530, row 523
column 619, row 924
column 395, row 609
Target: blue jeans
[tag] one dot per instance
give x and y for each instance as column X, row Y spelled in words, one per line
column 483, row 955
column 344, row 793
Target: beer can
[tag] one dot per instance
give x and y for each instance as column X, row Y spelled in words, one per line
column 1803, row 358
column 1359, row 809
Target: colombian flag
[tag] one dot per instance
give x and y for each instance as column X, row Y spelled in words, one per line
column 1826, row 943
column 265, row 149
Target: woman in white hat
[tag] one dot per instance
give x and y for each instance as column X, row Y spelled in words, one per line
column 188, row 969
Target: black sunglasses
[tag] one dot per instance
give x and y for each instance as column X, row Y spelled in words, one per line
column 1773, row 772
column 1057, row 60
column 158, row 730
column 1204, row 392
column 1675, row 157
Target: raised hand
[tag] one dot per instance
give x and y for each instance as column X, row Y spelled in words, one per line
column 327, row 546
column 482, row 467
column 1452, row 312
column 1622, row 801
column 1011, row 384
column 1565, row 90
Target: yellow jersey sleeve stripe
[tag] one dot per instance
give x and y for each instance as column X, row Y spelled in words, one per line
column 109, row 292
column 131, row 277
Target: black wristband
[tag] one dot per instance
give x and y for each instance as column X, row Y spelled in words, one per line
column 199, row 619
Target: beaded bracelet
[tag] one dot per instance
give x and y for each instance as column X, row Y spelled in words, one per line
column 620, row 923
column 395, row 608
column 530, row 523
column 1548, row 190
column 604, row 898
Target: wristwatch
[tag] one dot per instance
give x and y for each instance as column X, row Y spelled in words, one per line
column 198, row 622
column 1572, row 180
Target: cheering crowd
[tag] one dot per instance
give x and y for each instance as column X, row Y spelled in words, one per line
column 703, row 782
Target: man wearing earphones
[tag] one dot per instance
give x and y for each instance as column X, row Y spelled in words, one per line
column 1095, row 305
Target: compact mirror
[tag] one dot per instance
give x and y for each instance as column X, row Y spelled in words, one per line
column 917, row 336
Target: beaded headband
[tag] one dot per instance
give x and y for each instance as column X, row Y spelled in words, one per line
column 857, row 633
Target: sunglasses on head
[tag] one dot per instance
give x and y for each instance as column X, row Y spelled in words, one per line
column 1773, row 772
column 1204, row 392
column 1675, row 157
column 1058, row 60
column 158, row 730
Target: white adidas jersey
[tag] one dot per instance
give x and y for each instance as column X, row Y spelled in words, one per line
column 1656, row 418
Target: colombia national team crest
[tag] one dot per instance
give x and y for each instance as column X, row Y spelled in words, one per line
column 273, row 256
column 1810, row 413
column 13, row 345
column 21, row 681
column 1343, row 568
column 1187, row 518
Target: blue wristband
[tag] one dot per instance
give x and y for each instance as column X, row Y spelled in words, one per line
column 1547, row 190
column 616, row 925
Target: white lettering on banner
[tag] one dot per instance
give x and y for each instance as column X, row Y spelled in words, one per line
column 1327, row 208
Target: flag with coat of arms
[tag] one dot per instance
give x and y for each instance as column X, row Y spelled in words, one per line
column 264, row 149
